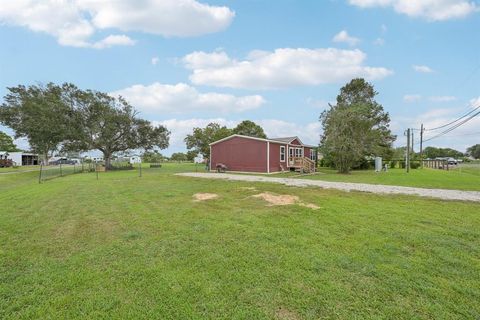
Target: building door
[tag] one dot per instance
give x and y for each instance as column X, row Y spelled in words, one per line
column 291, row 155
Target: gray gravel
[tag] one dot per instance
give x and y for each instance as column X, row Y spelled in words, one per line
column 346, row 186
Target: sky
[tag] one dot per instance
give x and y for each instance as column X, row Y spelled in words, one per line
column 185, row 63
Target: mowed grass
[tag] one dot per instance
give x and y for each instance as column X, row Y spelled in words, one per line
column 125, row 247
column 462, row 178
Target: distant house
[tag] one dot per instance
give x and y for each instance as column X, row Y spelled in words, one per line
column 250, row 154
column 21, row 158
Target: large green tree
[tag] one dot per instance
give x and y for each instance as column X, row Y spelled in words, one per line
column 40, row 114
column 6, row 143
column 474, row 151
column 111, row 125
column 355, row 127
column 249, row 128
column 201, row 138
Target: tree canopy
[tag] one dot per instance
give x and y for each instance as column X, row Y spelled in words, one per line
column 474, row 151
column 53, row 117
column 6, row 143
column 201, row 138
column 111, row 125
column 249, row 128
column 178, row 156
column 355, row 127
column 40, row 114
column 433, row 152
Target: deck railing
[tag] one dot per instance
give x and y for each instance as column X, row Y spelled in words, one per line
column 303, row 163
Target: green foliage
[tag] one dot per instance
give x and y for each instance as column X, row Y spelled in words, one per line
column 110, row 125
column 191, row 155
column 201, row 138
column 40, row 114
column 433, row 152
column 249, row 128
column 178, row 156
column 64, row 116
column 152, row 157
column 356, row 127
column 474, row 151
column 6, row 143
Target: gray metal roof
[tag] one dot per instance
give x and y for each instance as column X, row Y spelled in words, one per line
column 285, row 139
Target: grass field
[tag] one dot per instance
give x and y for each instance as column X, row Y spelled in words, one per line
column 465, row 178
column 125, row 247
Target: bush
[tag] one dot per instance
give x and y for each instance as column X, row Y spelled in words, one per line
column 414, row 165
column 393, row 164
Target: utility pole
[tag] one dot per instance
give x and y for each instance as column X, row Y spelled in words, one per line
column 421, row 146
column 407, row 160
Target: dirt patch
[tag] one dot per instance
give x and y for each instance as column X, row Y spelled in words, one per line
column 284, row 314
column 310, row 206
column 284, row 200
column 249, row 188
column 277, row 200
column 204, row 196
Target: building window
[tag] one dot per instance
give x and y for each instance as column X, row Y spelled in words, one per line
column 298, row 152
column 313, row 155
column 282, row 153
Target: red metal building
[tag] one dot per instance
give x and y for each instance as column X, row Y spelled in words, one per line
column 249, row 154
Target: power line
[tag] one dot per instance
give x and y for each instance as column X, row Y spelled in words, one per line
column 456, row 120
column 454, row 126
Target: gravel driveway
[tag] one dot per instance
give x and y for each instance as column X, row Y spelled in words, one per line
column 346, row 186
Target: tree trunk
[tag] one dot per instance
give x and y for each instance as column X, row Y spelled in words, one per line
column 108, row 160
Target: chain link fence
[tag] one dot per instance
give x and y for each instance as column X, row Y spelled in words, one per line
column 61, row 170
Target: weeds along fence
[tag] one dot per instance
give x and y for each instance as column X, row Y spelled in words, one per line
column 52, row 172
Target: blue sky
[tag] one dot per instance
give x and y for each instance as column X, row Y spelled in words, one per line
column 186, row 63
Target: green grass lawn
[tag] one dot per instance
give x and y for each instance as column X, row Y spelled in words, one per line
column 125, row 247
column 466, row 178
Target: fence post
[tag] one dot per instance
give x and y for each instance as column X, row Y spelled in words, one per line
column 61, row 173
column 140, row 167
column 96, row 169
column 40, row 174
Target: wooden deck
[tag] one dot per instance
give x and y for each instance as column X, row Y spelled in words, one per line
column 301, row 164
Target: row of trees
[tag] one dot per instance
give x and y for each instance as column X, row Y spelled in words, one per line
column 199, row 140
column 64, row 117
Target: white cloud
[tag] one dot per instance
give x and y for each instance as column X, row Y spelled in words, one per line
column 113, row 40
column 309, row 133
column 155, row 60
column 432, row 10
column 182, row 98
column 74, row 22
column 410, row 98
column 422, row 69
column 281, row 68
column 344, row 37
column 442, row 98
